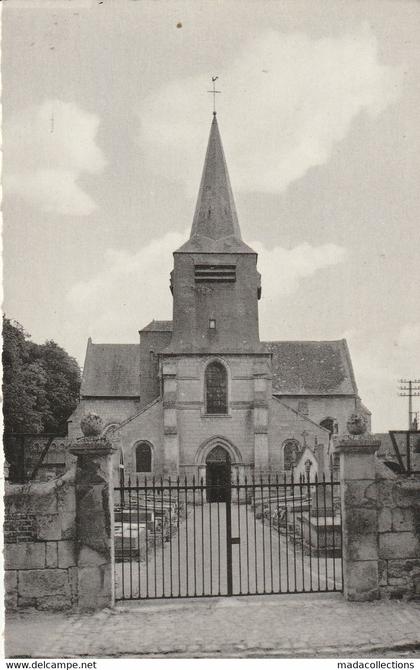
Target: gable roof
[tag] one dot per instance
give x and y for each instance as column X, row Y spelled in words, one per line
column 299, row 368
column 111, row 370
column 311, row 368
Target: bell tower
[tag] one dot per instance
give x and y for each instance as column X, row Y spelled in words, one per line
column 215, row 282
column 216, row 377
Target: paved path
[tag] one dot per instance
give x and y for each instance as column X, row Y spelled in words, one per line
column 281, row 626
column 193, row 562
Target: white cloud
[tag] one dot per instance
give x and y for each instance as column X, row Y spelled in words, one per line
column 282, row 269
column 47, row 148
column 286, row 101
column 133, row 288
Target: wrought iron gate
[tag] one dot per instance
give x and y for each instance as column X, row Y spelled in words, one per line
column 179, row 539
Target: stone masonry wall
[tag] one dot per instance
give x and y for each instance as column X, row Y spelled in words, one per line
column 39, row 550
column 398, row 504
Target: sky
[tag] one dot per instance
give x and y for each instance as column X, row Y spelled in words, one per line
column 106, row 115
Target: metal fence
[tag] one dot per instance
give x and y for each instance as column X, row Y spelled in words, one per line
column 176, row 539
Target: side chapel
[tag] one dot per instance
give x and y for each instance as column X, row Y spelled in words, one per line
column 203, row 388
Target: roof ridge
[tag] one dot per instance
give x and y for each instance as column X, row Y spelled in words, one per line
column 113, row 344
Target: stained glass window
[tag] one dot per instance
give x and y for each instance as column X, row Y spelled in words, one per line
column 216, row 389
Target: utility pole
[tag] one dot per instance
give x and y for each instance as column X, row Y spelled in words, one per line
column 409, row 389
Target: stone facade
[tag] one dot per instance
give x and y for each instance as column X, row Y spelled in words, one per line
column 398, row 504
column 381, row 525
column 40, row 544
column 59, row 536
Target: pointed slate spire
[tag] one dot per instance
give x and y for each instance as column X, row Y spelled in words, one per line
column 215, row 225
column 215, row 213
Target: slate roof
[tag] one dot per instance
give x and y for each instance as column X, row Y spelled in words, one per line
column 299, row 368
column 111, row 370
column 158, row 326
column 312, row 368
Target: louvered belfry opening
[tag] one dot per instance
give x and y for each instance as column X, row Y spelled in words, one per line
column 214, row 273
column 216, row 388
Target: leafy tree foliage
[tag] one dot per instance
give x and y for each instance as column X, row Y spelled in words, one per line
column 41, row 383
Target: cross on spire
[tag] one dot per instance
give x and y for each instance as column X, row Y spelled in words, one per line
column 213, row 91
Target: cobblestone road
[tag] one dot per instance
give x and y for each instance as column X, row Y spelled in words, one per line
column 283, row 626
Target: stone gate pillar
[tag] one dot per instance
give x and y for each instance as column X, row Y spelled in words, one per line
column 94, row 516
column 359, row 512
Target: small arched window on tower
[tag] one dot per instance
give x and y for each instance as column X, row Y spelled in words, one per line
column 143, row 457
column 216, row 388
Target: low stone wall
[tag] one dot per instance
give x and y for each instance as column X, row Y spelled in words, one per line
column 40, row 544
column 398, row 504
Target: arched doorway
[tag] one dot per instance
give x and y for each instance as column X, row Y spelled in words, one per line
column 218, row 474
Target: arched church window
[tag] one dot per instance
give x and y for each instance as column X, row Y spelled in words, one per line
column 291, row 449
column 329, row 423
column 143, row 457
column 216, row 388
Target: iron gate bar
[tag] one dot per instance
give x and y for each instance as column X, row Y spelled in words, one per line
column 325, row 530
column 202, row 536
column 287, row 539
column 271, row 538
column 211, row 553
column 301, row 535
column 283, row 509
column 229, row 540
column 310, row 534
column 238, row 493
column 317, row 525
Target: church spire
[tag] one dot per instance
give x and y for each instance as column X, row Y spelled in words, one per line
column 215, row 226
column 215, row 213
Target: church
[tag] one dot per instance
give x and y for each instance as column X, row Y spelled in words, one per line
column 203, row 388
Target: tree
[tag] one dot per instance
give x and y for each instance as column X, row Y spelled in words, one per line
column 41, row 383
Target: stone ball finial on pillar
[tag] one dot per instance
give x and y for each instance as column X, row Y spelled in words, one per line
column 357, row 424
column 91, row 424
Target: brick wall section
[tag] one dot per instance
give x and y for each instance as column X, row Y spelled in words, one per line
column 19, row 527
column 398, row 503
column 39, row 554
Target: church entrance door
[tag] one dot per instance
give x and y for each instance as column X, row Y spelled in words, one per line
column 218, row 475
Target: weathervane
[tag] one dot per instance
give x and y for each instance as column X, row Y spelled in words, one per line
column 214, row 79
